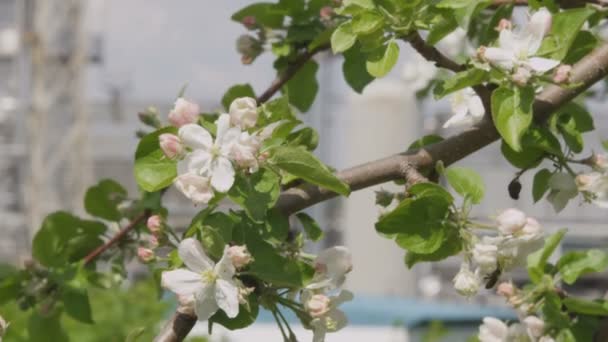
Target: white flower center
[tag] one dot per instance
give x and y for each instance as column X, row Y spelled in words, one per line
column 209, row 276
column 215, row 151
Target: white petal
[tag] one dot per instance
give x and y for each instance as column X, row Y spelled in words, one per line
column 223, row 124
column 542, row 65
column 196, row 162
column 458, row 120
column 222, row 174
column 227, row 295
column 206, row 304
column 537, row 28
column 181, row 281
column 339, row 320
column 507, row 40
column 224, row 268
column 230, row 137
column 476, row 107
column 195, row 136
column 501, row 57
column 193, row 255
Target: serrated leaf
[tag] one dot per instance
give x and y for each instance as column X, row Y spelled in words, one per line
column 354, row 70
column 540, row 184
column 267, row 14
column 256, row 193
column 538, row 259
column 575, row 264
column 311, row 227
column 461, row 80
column 466, row 182
column 586, row 307
column 382, row 61
column 367, row 22
column 154, row 171
column 425, row 141
column 102, row 200
column 76, row 304
column 302, row 88
column 512, row 113
column 343, row 38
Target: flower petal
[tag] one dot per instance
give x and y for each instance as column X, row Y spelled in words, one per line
column 205, row 303
column 222, row 174
column 224, row 268
column 508, row 41
column 195, row 136
column 476, row 107
column 457, row 120
column 537, row 28
column 542, row 65
column 196, row 162
column 223, row 124
column 181, row 281
column 227, row 295
column 501, row 57
column 193, row 255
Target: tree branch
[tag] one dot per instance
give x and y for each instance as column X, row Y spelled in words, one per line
column 430, row 53
column 291, row 70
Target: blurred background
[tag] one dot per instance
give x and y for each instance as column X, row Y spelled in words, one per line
column 75, row 73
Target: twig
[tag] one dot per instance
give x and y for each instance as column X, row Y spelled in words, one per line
column 432, row 54
column 121, row 234
column 289, row 73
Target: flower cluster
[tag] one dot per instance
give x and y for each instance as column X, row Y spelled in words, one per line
column 595, row 183
column 518, row 236
column 207, row 164
column 516, row 52
column 467, row 108
column 206, row 286
column 323, row 295
column 531, row 329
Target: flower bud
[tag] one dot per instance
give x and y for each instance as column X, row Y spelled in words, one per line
column 249, row 46
column 384, row 198
column 239, row 256
column 153, row 242
column 150, row 117
column 521, row 77
column 184, row 112
column 466, row 282
column 532, row 227
column 562, row 74
column 511, row 221
column 317, row 305
column 145, row 255
column 504, row 24
column 171, row 145
column 154, row 224
column 326, row 12
column 244, row 292
column 243, row 112
column 586, row 181
column 535, row 325
column 505, row 289
column 599, row 162
column 249, row 22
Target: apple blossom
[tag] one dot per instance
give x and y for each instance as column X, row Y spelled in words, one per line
column 243, row 112
column 505, row 289
column 532, row 227
column 562, row 74
column 326, row 12
column 485, row 256
column 599, row 162
column 521, row 77
column 194, row 187
column 504, row 24
column 3, row 326
column 332, row 319
column 210, row 158
column 171, row 145
column 466, row 282
column 418, row 72
column 244, row 292
column 154, row 224
column 517, row 50
column 467, row 108
column 317, row 305
column 331, row 267
column 153, row 242
column 493, row 330
column 546, row 338
column 239, row 255
column 244, row 151
column 535, row 325
column 145, row 254
column 596, row 184
column 184, row 112
column 511, row 221
column 211, row 285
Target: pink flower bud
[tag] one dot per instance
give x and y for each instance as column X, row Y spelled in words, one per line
column 505, row 289
column 153, row 242
column 249, row 22
column 171, row 145
column 183, row 113
column 511, row 221
column 326, row 12
column 317, row 305
column 521, row 77
column 562, row 74
column 504, row 24
column 155, row 223
column 587, row 181
column 532, row 227
column 599, row 162
column 239, row 256
column 145, row 255
column 246, row 60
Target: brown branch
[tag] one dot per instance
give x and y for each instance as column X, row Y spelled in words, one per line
column 121, row 234
column 289, row 73
column 430, row 53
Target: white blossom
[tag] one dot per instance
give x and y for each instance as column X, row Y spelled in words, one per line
column 239, row 255
column 510, row 221
column 517, row 50
column 3, row 326
column 332, row 319
column 418, row 72
column 331, row 267
column 466, row 107
column 184, row 112
column 210, row 158
column 196, row 188
column 596, row 184
column 211, row 285
column 243, row 112
column 466, row 282
column 546, row 338
column 171, row 145
column 493, row 330
column 535, row 326
column 485, row 256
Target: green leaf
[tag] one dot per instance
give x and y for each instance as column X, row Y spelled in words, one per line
column 528, row 158
column 542, row 139
column 276, row 110
column 102, row 200
column 76, row 304
column 354, row 70
column 135, row 334
column 565, row 27
column 267, row 14
column 343, row 38
column 248, row 313
column 236, row 91
column 552, row 309
column 311, row 227
column 586, row 307
column 575, row 264
column 440, row 28
column 540, row 185
column 46, row 328
column 154, row 171
column 383, row 60
column 461, row 80
column 538, row 259
column 583, row 44
column 303, row 164
column 367, row 22
column 428, row 189
column 466, row 182
column 512, row 113
column 256, row 193
column 572, row 137
column 303, row 87
column 451, row 245
column 425, row 141
column 420, row 223
column 306, row 137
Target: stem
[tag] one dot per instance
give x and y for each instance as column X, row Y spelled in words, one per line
column 276, row 318
column 292, row 336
